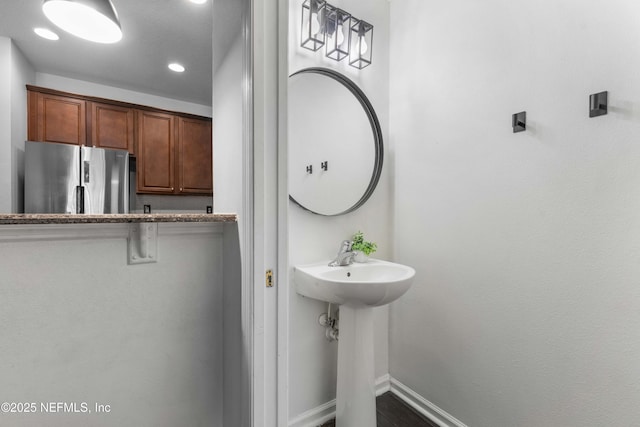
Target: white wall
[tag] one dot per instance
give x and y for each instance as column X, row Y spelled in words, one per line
column 228, row 190
column 5, row 124
column 82, row 87
column 15, row 73
column 313, row 360
column 84, row 326
column 227, row 129
column 22, row 73
column 526, row 307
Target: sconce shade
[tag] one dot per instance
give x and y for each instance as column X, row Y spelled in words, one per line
column 93, row 20
column 361, row 44
column 313, row 24
column 338, row 28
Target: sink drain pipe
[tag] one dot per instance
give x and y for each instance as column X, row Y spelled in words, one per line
column 330, row 323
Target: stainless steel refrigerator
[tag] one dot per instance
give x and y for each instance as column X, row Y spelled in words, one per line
column 68, row 179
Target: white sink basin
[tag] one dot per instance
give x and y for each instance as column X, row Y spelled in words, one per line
column 369, row 284
column 358, row 288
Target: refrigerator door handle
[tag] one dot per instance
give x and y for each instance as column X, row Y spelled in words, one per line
column 79, row 199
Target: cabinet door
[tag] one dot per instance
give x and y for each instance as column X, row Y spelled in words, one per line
column 56, row 118
column 112, row 127
column 156, row 153
column 195, row 173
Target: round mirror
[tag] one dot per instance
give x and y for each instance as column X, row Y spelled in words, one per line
column 335, row 143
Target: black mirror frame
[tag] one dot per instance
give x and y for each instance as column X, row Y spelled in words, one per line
column 375, row 128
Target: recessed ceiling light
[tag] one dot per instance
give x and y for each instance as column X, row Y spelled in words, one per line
column 174, row 66
column 93, row 20
column 46, row 34
column 199, row 1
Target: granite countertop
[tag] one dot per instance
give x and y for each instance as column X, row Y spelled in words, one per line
column 17, row 219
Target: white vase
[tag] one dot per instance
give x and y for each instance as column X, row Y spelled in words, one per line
column 361, row 257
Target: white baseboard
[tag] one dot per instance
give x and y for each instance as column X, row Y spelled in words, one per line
column 423, row 406
column 383, row 384
column 315, row 417
column 323, row 413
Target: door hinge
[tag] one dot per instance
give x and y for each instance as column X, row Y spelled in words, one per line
column 269, row 278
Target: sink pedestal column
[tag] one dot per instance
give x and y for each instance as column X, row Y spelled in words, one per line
column 356, row 393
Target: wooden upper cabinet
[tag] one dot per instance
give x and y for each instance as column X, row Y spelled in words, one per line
column 156, row 153
column 174, row 154
column 195, row 173
column 112, row 127
column 54, row 118
column 173, row 150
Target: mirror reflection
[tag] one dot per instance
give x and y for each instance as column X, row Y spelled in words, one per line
column 335, row 143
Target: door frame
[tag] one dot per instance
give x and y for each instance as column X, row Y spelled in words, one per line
column 265, row 311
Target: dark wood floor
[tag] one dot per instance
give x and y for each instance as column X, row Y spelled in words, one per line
column 393, row 412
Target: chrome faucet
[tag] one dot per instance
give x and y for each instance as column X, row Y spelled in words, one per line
column 345, row 255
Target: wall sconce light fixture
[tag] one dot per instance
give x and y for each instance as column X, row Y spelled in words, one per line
column 313, row 24
column 338, row 29
column 361, row 44
column 324, row 24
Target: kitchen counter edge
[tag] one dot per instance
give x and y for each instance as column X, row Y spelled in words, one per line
column 18, row 219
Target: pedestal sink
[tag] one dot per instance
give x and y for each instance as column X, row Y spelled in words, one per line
column 357, row 288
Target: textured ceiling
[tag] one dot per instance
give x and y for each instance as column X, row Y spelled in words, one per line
column 155, row 32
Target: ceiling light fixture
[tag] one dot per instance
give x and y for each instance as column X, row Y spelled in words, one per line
column 46, row 34
column 174, row 66
column 93, row 20
column 199, row 1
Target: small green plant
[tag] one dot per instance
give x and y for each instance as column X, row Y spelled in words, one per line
column 359, row 244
